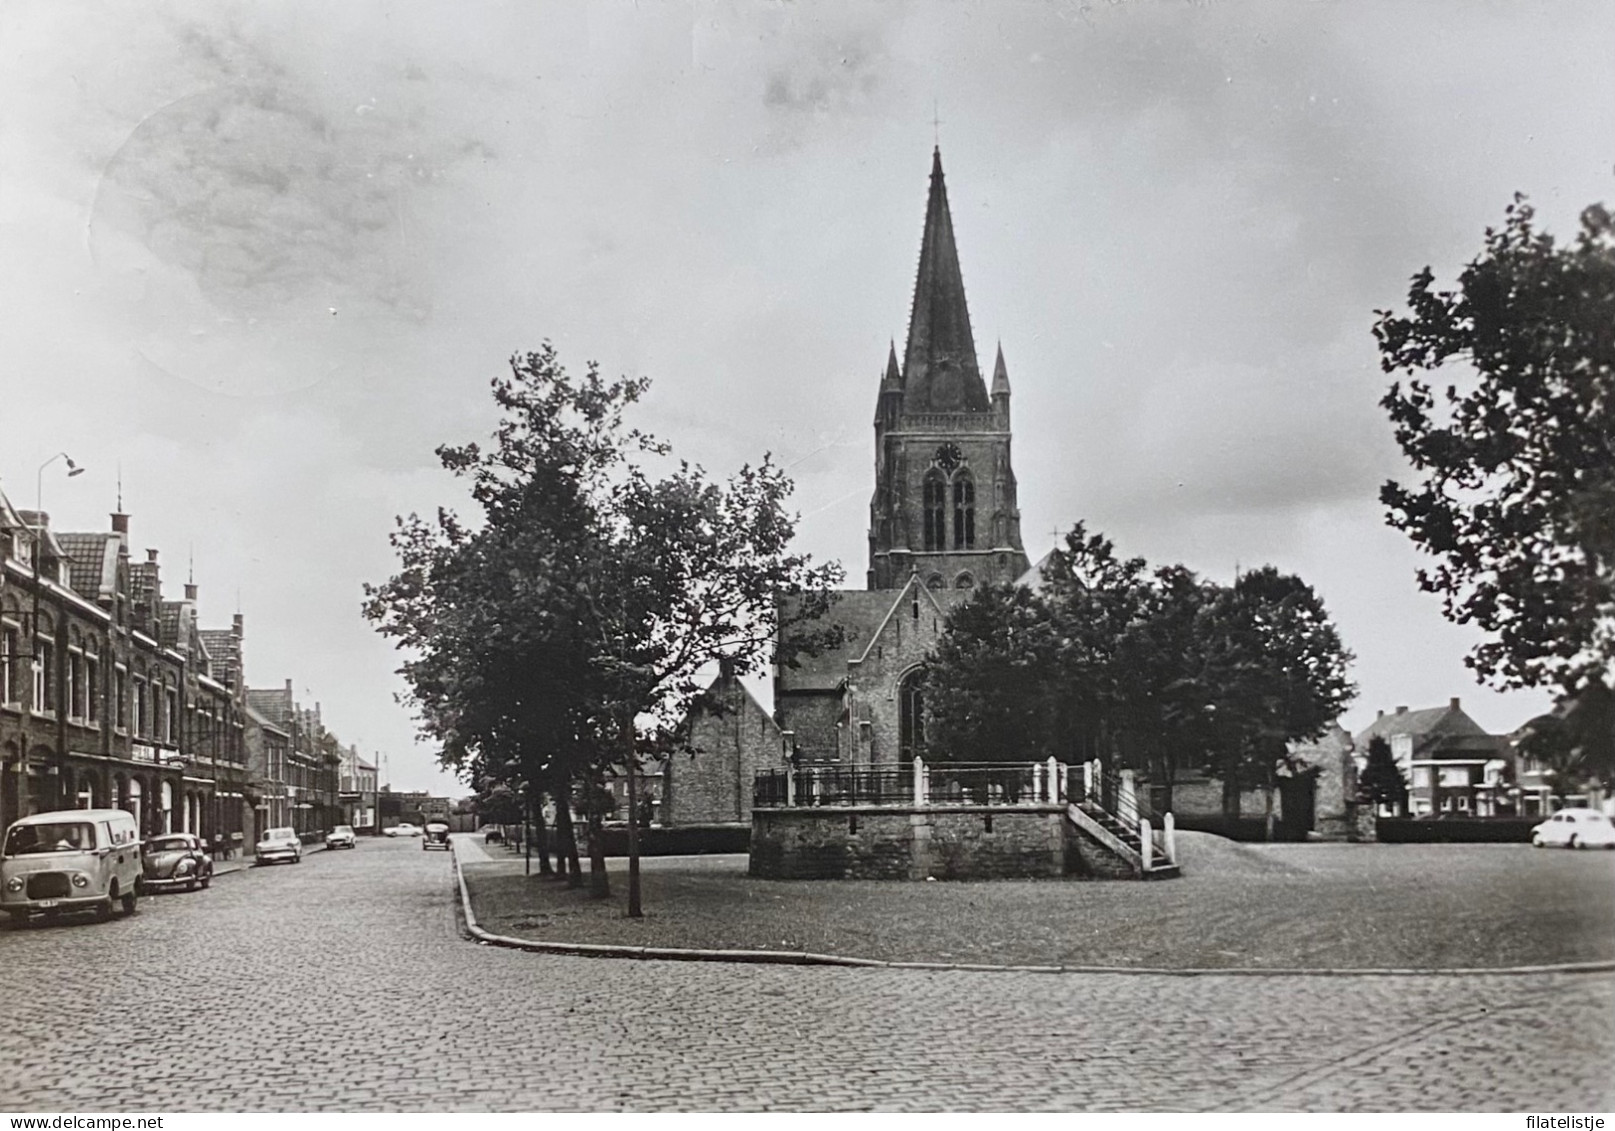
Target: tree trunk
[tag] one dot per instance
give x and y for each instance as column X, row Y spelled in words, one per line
column 599, row 882
column 541, row 835
column 568, row 848
column 634, row 910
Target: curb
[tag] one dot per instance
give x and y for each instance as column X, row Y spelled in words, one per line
column 807, row 958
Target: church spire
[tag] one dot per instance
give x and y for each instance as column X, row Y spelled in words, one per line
column 1000, row 375
column 893, row 381
column 940, row 372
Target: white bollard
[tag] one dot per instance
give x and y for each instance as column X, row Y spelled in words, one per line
column 1170, row 826
column 1056, row 781
column 919, row 781
column 1037, row 782
column 790, row 786
column 1146, row 846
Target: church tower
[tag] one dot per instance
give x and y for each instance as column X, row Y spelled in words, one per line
column 944, row 504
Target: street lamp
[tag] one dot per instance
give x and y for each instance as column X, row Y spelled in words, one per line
column 33, row 654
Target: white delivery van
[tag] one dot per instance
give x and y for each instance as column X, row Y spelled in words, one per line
column 70, row 860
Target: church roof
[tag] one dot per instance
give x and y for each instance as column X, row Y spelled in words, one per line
column 940, row 372
column 861, row 614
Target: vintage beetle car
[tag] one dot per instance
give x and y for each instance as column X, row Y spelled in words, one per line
column 176, row 860
column 436, row 836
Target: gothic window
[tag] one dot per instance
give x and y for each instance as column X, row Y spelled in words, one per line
column 936, row 496
column 964, row 581
column 935, row 582
column 911, row 714
column 964, row 512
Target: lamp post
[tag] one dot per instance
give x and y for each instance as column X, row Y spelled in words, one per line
column 33, row 652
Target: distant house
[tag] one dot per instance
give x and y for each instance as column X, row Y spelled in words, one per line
column 1451, row 764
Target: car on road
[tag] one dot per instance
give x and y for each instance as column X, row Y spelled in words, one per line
column 176, row 860
column 493, row 834
column 278, row 844
column 1575, row 828
column 405, row 829
column 341, row 837
column 70, row 860
column 436, row 836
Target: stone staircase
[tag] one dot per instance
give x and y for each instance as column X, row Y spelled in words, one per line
column 1105, row 812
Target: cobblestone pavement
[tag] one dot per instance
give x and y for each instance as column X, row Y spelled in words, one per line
column 345, row 985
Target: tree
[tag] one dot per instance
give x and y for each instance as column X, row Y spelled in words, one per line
column 1381, row 782
column 993, row 691
column 1517, row 453
column 565, row 637
column 1155, row 670
column 1277, row 674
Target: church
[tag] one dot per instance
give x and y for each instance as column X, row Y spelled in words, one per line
column 943, row 519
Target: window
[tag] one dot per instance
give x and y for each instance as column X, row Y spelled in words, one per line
column 44, row 686
column 10, row 669
column 120, row 697
column 142, row 720
column 936, row 493
column 964, row 581
column 964, row 512
column 911, row 715
column 75, row 683
column 92, row 687
column 170, row 713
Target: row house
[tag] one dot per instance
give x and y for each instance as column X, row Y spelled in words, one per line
column 110, row 696
column 356, row 791
column 310, row 758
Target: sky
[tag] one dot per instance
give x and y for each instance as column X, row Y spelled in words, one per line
column 258, row 260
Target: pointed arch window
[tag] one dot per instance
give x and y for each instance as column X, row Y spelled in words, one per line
column 911, row 714
column 964, row 512
column 936, row 503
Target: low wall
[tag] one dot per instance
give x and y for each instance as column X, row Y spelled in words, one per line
column 941, row 842
column 1458, row 830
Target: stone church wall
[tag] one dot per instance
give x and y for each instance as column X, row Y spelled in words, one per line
column 901, row 646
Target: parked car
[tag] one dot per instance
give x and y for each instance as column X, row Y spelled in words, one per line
column 1575, row 828
column 436, row 836
column 341, row 837
column 493, row 834
column 177, row 860
column 405, row 829
column 278, row 844
column 71, row 860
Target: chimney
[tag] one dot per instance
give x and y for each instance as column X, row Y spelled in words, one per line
column 190, row 591
column 1454, row 704
column 1380, row 714
column 120, row 522
column 151, row 556
column 726, row 668
column 236, row 626
column 1401, row 710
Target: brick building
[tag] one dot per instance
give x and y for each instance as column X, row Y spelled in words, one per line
column 109, row 695
column 731, row 737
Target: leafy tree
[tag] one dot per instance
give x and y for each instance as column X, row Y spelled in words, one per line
column 1277, row 674
column 1381, row 782
column 1576, row 743
column 1155, row 670
column 1517, row 453
column 565, row 637
column 993, row 691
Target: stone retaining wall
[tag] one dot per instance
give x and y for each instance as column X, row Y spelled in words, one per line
column 952, row 842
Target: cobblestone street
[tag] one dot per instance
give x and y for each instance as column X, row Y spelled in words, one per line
column 343, row 983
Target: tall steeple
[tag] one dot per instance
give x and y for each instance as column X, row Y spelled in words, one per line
column 940, row 372
column 944, row 504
